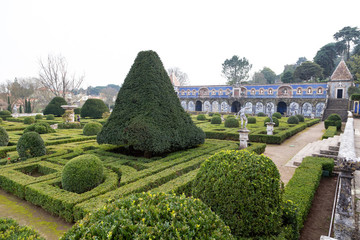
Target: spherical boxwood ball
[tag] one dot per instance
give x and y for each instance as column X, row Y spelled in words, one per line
column 293, row 120
column 4, row 137
column 30, row 144
column 300, row 117
column 251, row 120
column 152, row 216
column 261, row 114
column 82, row 173
column 50, row 117
column 39, row 116
column 92, row 128
column 275, row 120
column 29, row 120
column 201, row 117
column 231, row 123
column 216, row 120
column 243, row 189
column 276, row 115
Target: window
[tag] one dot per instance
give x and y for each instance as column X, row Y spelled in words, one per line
column 320, row 90
column 182, row 92
column 220, row 92
column 213, row 92
column 194, row 92
column 261, row 91
column 253, row 91
column 299, row 91
column 188, row 92
column 270, row 91
column 309, row 90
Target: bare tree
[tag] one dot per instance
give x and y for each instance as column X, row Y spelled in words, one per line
column 180, row 76
column 109, row 93
column 17, row 90
column 54, row 75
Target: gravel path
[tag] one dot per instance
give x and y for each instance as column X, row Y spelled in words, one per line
column 282, row 153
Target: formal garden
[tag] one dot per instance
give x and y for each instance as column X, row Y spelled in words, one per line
column 149, row 170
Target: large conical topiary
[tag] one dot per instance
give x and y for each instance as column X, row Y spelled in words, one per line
column 147, row 115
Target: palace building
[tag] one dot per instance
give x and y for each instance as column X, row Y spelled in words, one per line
column 288, row 99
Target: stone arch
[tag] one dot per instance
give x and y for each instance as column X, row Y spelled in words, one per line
column 207, row 106
column 235, row 106
column 249, row 108
column 215, row 106
column 183, row 104
column 259, row 107
column 319, row 109
column 285, row 91
column 294, row 108
column 307, row 109
column 191, row 106
column 198, row 106
column 224, row 107
column 282, row 107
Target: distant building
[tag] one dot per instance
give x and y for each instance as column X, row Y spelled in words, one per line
column 288, row 99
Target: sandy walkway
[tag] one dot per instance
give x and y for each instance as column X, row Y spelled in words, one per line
column 281, row 154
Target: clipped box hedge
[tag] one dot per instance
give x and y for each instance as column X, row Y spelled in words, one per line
column 13, row 180
column 302, row 186
column 60, row 202
column 330, row 132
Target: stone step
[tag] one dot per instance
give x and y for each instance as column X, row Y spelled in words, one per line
column 324, row 155
column 334, row 148
column 329, row 152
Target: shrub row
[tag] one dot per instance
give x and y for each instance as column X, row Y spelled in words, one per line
column 302, row 186
column 330, row 132
column 257, row 136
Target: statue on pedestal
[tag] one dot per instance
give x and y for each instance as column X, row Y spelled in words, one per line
column 243, row 117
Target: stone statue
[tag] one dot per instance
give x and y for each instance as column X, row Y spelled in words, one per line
column 243, row 117
column 14, row 109
column 269, row 107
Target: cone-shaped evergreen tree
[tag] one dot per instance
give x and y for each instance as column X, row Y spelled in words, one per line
column 26, row 106
column 147, row 115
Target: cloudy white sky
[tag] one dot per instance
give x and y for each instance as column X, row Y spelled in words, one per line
column 102, row 38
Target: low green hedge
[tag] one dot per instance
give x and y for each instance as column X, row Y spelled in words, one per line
column 73, row 125
column 302, row 186
column 50, row 196
column 15, row 178
column 330, row 132
column 10, row 229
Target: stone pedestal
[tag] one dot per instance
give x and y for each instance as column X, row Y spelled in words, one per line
column 71, row 108
column 243, row 137
column 270, row 128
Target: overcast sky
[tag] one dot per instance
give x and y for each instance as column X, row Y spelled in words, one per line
column 102, row 38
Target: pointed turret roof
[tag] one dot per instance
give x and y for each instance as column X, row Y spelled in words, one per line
column 341, row 72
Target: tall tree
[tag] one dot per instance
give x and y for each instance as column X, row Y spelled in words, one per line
column 354, row 67
column 308, row 71
column 269, row 75
column 287, row 77
column 17, row 90
column 259, row 78
column 325, row 57
column 236, row 70
column 348, row 35
column 180, row 76
column 300, row 61
column 55, row 76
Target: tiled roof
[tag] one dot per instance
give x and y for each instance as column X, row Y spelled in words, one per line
column 341, row 72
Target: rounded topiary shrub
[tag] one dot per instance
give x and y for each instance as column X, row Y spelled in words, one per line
column 54, row 107
column 5, row 114
column 93, row 108
column 293, row 120
column 152, row 216
column 39, row 116
column 333, row 120
column 30, row 144
column 231, row 123
column 201, row 117
column 275, row 120
column 216, row 120
column 261, row 114
column 300, row 117
column 4, row 137
column 276, row 115
column 29, row 120
column 230, row 116
column 40, row 128
column 251, row 120
column 50, row 117
column 92, row 128
column 82, row 173
column 243, row 189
